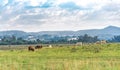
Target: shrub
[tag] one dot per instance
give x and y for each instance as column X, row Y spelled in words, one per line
column 73, row 50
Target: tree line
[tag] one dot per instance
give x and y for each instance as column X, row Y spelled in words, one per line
column 13, row 40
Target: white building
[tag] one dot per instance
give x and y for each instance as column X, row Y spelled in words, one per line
column 31, row 38
column 69, row 39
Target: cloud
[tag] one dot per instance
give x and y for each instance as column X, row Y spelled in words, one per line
column 3, row 2
column 69, row 5
column 58, row 14
column 44, row 5
column 0, row 17
column 36, row 2
column 112, row 7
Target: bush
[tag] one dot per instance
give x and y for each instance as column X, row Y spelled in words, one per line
column 73, row 50
column 97, row 50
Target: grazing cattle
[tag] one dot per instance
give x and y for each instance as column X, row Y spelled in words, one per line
column 98, row 42
column 38, row 47
column 31, row 48
column 101, row 42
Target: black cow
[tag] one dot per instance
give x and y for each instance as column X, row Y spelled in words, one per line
column 38, row 47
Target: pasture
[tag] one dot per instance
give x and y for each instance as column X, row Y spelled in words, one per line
column 61, row 57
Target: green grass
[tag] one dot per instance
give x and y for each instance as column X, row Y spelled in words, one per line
column 87, row 57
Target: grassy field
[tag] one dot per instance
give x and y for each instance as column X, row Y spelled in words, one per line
column 61, row 57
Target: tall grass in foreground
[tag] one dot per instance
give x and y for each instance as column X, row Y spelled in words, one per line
column 87, row 57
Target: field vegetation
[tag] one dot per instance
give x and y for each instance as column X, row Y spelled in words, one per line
column 61, row 57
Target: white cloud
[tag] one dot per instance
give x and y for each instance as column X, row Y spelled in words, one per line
column 36, row 2
column 4, row 2
column 15, row 18
column 96, row 12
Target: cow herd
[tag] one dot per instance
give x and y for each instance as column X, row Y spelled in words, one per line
column 32, row 48
column 101, row 42
column 97, row 42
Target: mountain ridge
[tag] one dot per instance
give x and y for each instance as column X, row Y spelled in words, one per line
column 105, row 33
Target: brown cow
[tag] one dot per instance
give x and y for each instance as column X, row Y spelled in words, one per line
column 31, row 48
column 38, row 47
column 101, row 42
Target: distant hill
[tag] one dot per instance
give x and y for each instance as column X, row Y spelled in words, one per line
column 105, row 33
column 13, row 32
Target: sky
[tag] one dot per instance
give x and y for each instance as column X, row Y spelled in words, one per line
column 58, row 15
